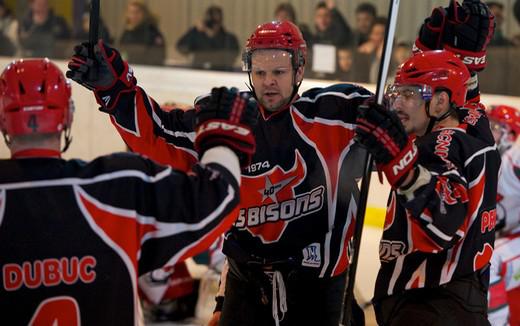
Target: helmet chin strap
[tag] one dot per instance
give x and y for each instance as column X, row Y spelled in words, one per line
column 433, row 119
column 67, row 138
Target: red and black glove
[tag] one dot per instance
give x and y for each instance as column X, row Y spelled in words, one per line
column 227, row 120
column 462, row 29
column 113, row 76
column 431, row 31
column 382, row 134
column 471, row 27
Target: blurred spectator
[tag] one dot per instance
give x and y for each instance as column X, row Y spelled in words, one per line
column 351, row 65
column 82, row 32
column 344, row 60
column 285, row 11
column 365, row 16
column 400, row 53
column 210, row 44
column 8, row 28
column 39, row 30
column 498, row 37
column 374, row 46
column 330, row 26
column 141, row 41
column 516, row 10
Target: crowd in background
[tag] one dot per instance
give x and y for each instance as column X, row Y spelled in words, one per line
column 352, row 50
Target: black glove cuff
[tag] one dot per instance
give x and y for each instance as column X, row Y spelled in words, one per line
column 108, row 99
column 219, row 303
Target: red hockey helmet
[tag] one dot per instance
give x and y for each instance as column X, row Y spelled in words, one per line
column 276, row 35
column 507, row 116
column 438, row 69
column 34, row 98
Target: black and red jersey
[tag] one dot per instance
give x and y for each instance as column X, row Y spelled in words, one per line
column 447, row 229
column 298, row 196
column 75, row 236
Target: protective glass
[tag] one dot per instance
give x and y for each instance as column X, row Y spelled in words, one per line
column 398, row 92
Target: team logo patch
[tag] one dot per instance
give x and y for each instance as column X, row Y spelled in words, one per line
column 312, row 255
column 270, row 202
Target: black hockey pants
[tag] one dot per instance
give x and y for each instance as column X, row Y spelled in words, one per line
column 461, row 302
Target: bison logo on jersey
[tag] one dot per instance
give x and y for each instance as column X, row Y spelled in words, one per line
column 270, row 203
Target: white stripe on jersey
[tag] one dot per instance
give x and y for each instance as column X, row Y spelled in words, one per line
column 120, row 251
column 339, row 94
column 157, row 120
column 84, row 181
column 164, row 229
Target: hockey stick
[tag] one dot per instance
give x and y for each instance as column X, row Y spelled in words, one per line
column 367, row 172
column 93, row 34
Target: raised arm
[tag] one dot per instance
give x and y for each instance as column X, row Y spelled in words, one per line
column 166, row 137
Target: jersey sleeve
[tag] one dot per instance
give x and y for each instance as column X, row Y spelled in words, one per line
column 333, row 103
column 166, row 137
column 437, row 203
column 160, row 216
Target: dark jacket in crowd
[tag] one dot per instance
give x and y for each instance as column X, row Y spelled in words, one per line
column 7, row 48
column 338, row 33
column 144, row 45
column 516, row 10
column 38, row 40
column 217, row 52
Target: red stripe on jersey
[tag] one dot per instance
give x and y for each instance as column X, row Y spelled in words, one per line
column 344, row 258
column 329, row 140
column 420, row 239
column 205, row 242
column 124, row 231
column 476, row 195
column 148, row 144
column 481, row 258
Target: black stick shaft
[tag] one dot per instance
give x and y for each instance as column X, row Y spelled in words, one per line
column 365, row 183
column 93, row 33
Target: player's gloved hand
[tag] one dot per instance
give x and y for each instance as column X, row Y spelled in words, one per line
column 468, row 32
column 227, row 120
column 430, row 33
column 462, row 29
column 381, row 132
column 113, row 77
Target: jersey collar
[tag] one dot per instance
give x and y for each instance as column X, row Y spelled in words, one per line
column 36, row 152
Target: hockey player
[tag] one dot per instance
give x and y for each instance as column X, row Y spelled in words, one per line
column 439, row 229
column 504, row 289
column 505, row 125
column 287, row 251
column 75, row 236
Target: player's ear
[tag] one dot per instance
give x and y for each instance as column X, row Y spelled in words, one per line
column 441, row 103
column 299, row 74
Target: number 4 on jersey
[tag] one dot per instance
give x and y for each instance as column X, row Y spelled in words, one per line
column 62, row 310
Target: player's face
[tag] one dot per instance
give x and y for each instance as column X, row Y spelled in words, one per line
column 409, row 105
column 273, row 78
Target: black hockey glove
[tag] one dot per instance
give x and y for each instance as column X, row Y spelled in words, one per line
column 462, row 29
column 430, row 33
column 381, row 132
column 468, row 32
column 227, row 120
column 113, row 78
